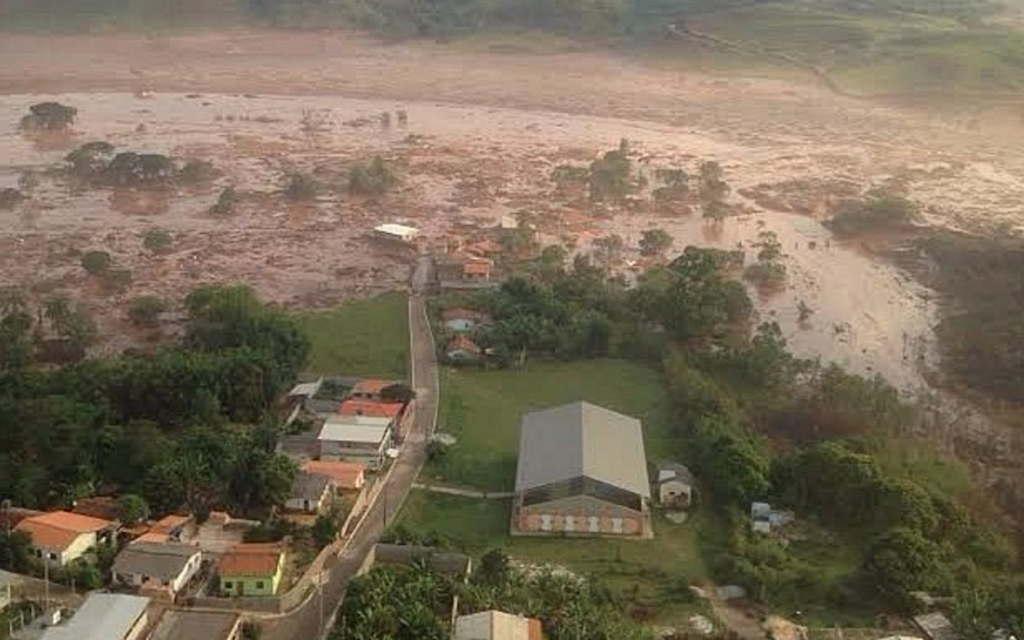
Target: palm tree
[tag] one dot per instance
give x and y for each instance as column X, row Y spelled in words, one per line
column 57, row 312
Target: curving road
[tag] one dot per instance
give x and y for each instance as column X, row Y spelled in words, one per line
column 311, row 620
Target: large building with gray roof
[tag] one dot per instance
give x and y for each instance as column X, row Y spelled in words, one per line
column 582, row 471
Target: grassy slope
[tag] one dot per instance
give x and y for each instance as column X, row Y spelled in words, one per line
column 482, row 410
column 647, row 572
column 364, row 337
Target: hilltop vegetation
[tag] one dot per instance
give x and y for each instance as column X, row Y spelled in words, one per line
column 868, row 46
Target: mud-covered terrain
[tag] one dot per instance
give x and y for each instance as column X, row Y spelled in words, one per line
column 485, row 132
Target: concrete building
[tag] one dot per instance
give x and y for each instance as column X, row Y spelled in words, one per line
column 176, row 624
column 104, row 616
column 582, row 471
column 496, row 625
column 396, row 232
column 362, row 439
column 157, row 568
column 311, row 493
column 61, row 537
column 674, row 484
column 251, row 569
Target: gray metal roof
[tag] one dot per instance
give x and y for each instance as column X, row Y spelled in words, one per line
column 104, row 616
column 309, row 486
column 176, row 624
column 164, row 560
column 582, row 439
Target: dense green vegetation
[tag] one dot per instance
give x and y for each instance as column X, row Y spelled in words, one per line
column 165, row 425
column 752, row 421
column 413, row 603
column 362, row 337
column 982, row 333
column 873, row 46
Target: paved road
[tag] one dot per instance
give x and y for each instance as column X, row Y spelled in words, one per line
column 305, row 622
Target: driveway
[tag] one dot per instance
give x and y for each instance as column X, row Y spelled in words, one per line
column 309, row 621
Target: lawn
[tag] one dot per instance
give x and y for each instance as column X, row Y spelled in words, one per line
column 651, row 574
column 482, row 410
column 363, row 338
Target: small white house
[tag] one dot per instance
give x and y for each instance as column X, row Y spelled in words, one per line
column 399, row 232
column 157, row 566
column 104, row 616
column 362, row 439
column 674, row 484
column 61, row 537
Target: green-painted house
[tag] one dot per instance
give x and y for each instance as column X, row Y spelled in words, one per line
column 252, row 570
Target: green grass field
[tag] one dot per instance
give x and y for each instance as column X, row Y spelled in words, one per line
column 648, row 573
column 362, row 337
column 482, row 410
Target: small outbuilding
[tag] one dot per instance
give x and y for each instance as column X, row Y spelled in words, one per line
column 396, row 232
column 310, row 493
column 674, row 484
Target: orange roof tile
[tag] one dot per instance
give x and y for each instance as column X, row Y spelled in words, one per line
column 476, row 268
column 251, row 559
column 169, row 523
column 358, row 407
column 152, row 536
column 47, row 536
column 372, row 386
column 73, row 521
column 346, row 474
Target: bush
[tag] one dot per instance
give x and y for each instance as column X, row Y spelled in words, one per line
column 115, row 280
column 96, row 262
column 145, row 311
column 766, row 275
column 157, row 240
column 372, row 179
column 301, row 187
column 225, row 205
column 10, row 198
column 50, row 116
column 132, row 509
column 196, row 171
column 437, row 451
column 880, row 210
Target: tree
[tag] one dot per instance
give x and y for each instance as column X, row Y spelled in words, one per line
column 609, row 177
column 655, row 242
column 10, row 198
column 145, row 311
column 901, row 561
column 132, row 509
column 301, row 186
column 50, row 116
column 197, row 171
column 15, row 551
column 325, row 530
column 90, row 159
column 57, row 311
column 226, row 201
column 608, row 249
column 371, row 179
column 96, row 262
column 157, row 240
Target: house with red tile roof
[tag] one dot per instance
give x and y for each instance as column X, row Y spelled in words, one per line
column 461, row 350
column 60, row 537
column 252, row 569
column 347, row 476
column 360, row 407
column 370, row 389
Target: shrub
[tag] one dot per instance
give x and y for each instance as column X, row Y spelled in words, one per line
column 301, row 186
column 880, row 210
column 10, row 198
column 145, row 311
column 372, row 179
column 157, row 240
column 196, row 171
column 117, row 279
column 96, row 262
column 225, row 205
column 50, row 116
column 766, row 275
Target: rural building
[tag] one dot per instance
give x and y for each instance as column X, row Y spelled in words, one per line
column 371, row 408
column 104, row 616
column 60, row 537
column 582, row 470
column 496, row 625
column 347, row 476
column 477, row 270
column 370, row 389
column 460, row 320
column 462, row 350
column 674, row 483
column 158, row 569
column 355, row 439
column 936, row 626
column 310, row 493
column 396, row 232
column 176, row 624
column 251, row 569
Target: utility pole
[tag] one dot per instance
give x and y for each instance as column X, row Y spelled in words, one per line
column 46, row 582
column 320, row 586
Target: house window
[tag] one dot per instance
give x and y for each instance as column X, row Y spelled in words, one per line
column 259, row 585
column 53, row 556
column 616, row 525
column 595, row 524
column 229, row 585
column 545, row 522
column 570, row 523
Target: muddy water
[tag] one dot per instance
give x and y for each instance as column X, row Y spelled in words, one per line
column 461, row 162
